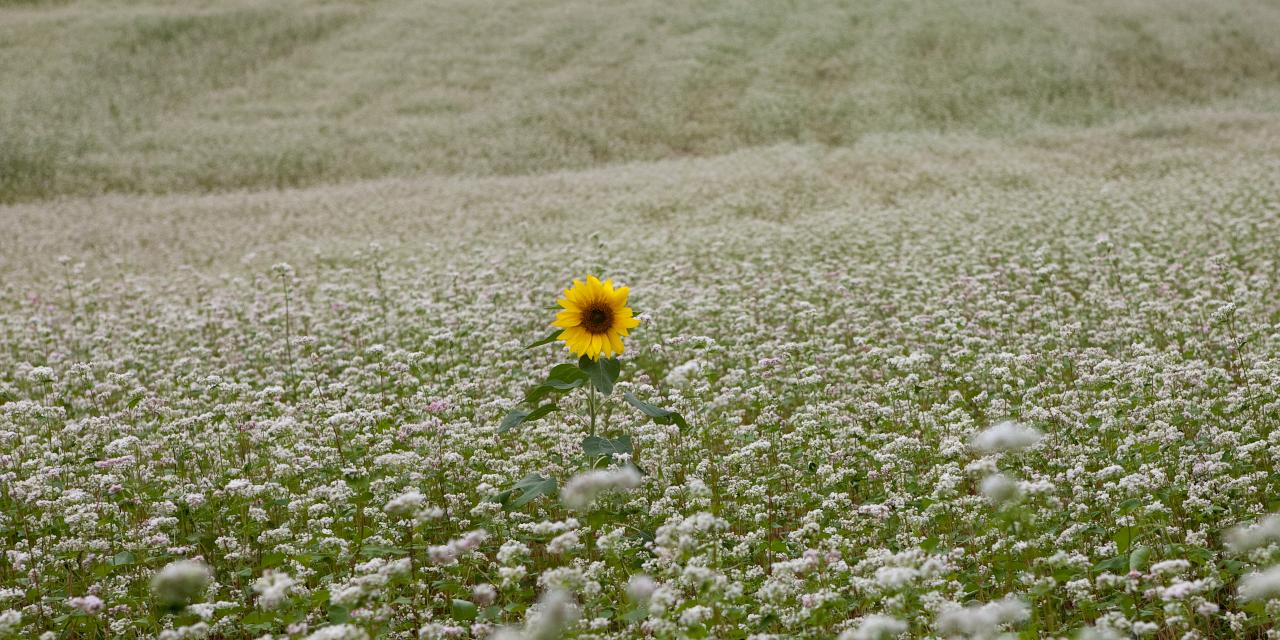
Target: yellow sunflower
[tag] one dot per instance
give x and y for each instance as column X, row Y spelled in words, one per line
column 595, row 317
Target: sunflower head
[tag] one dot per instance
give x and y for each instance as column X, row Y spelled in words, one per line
column 595, row 317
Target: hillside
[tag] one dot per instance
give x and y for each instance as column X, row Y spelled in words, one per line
column 115, row 96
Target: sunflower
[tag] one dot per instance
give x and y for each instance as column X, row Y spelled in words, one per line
column 595, row 317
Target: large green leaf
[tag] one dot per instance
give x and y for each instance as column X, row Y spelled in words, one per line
column 463, row 609
column 123, row 558
column 603, row 372
column 1138, row 558
column 552, row 337
column 563, row 377
column 1115, row 564
column 527, row 490
column 596, row 447
column 519, row 416
column 655, row 413
column 513, row 418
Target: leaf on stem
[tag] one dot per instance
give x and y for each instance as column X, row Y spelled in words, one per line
column 603, row 372
column 596, row 447
column 518, row 416
column 656, row 413
column 552, row 337
column 527, row 490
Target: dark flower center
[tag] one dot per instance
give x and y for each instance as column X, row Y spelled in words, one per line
column 597, row 318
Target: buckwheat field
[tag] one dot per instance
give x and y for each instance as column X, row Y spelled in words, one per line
column 329, row 320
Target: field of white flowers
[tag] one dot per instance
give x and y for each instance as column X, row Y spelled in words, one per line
column 899, row 373
column 934, row 388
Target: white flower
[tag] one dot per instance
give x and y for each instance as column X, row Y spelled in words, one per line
column 982, row 621
column 895, row 577
column 484, row 594
column 1249, row 537
column 195, row 631
column 553, row 614
column 681, row 374
column 1099, row 633
column 1006, row 436
column 581, row 490
column 1263, row 585
column 640, row 588
column 999, row 488
column 695, row 615
column 566, row 542
column 273, row 588
column 1143, row 628
column 178, row 583
column 339, row 632
column 448, row 554
column 10, row 621
column 875, row 627
column 511, row 551
column 90, row 604
column 404, row 504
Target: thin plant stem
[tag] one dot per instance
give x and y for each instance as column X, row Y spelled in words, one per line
column 591, row 404
column 288, row 330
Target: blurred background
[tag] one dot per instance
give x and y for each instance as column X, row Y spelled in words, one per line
column 103, row 96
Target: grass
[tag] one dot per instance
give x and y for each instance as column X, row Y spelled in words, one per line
column 153, row 97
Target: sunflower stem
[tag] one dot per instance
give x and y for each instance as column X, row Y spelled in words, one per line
column 591, row 404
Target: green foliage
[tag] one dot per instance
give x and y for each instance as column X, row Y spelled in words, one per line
column 463, row 610
column 656, row 413
column 562, row 378
column 597, row 448
column 517, row 416
column 551, row 337
column 528, row 489
column 603, row 372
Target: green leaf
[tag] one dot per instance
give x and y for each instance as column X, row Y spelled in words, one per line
column 1112, row 564
column 563, row 377
column 379, row 550
column 527, row 490
column 1138, row 559
column 552, row 337
column 1123, row 537
column 655, row 413
column 597, row 447
column 603, row 372
column 513, row 418
column 123, row 558
column 540, row 412
column 1128, row 506
column 257, row 616
column 463, row 609
column 519, row 416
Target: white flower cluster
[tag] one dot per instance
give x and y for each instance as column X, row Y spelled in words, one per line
column 981, row 622
column 449, row 553
column 914, row 378
column 583, row 489
column 370, row 581
column 273, row 588
column 1006, row 436
column 181, row 582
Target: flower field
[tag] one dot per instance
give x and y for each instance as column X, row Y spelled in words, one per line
column 993, row 404
column 924, row 385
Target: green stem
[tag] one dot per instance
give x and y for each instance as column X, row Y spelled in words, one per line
column 591, row 404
